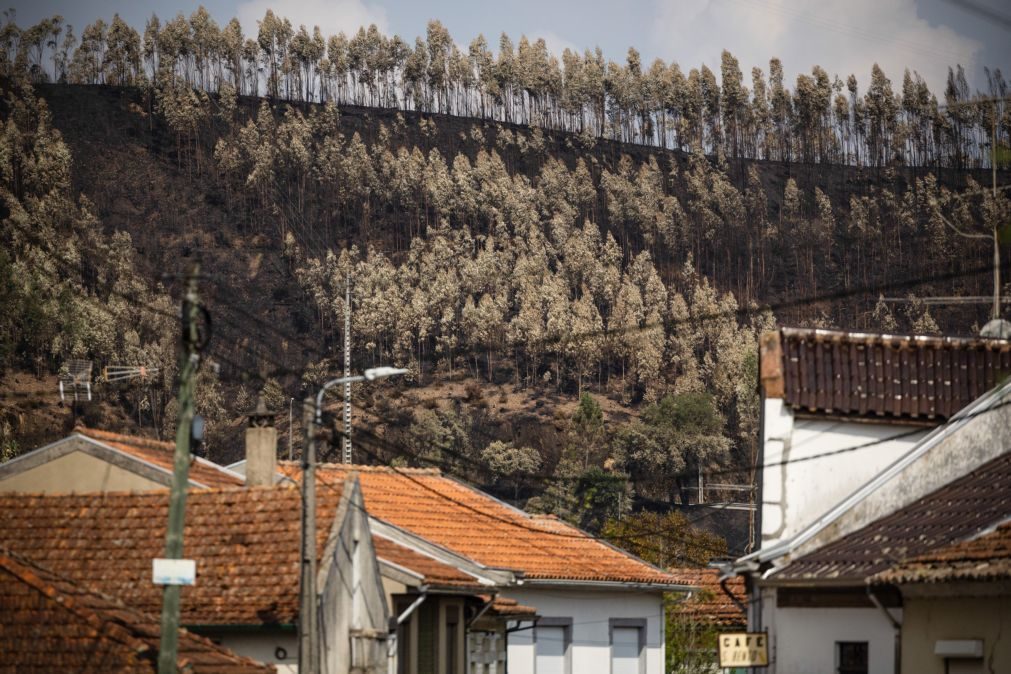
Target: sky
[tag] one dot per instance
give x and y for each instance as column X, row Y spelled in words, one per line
column 843, row 36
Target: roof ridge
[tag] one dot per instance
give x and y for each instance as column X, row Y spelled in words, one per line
column 875, row 337
column 139, row 440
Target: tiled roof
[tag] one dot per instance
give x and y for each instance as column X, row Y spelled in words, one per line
column 710, row 604
column 958, row 510
column 434, row 572
column 48, row 624
column 472, row 523
column 162, row 454
column 245, row 542
column 503, row 607
column 880, row 376
column 986, row 557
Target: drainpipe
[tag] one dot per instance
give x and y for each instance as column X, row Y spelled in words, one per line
column 896, row 625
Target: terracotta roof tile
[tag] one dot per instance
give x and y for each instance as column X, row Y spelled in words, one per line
column 710, row 604
column 983, row 558
column 50, row 624
column 245, row 542
column 504, row 607
column 162, row 454
column 958, row 510
column 472, row 523
column 880, row 376
column 433, row 571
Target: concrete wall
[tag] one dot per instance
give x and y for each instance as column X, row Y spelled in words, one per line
column 76, row 472
column 930, row 619
column 797, row 493
column 803, row 640
column 591, row 612
column 263, row 646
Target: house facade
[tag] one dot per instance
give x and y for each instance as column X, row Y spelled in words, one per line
column 956, row 604
column 93, row 460
column 855, row 429
column 598, row 609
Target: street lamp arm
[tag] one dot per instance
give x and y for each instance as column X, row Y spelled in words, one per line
column 371, row 374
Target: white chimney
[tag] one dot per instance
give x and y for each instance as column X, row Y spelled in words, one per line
column 261, row 446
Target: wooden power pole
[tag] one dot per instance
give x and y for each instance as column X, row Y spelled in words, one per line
column 308, row 649
column 188, row 361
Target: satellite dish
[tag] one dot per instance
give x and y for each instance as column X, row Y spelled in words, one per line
column 76, row 381
column 997, row 328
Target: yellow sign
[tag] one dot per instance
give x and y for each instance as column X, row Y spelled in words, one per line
column 744, row 649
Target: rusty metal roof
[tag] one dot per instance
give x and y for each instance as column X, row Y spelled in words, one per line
column 957, row 511
column 886, row 377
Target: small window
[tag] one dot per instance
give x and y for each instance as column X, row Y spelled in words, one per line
column 852, row 657
column 626, row 654
column 552, row 646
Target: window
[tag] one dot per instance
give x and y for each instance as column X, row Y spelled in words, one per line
column 551, row 647
column 627, row 645
column 452, row 639
column 851, row 657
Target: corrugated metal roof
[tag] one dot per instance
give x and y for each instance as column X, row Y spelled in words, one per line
column 879, row 375
column 960, row 509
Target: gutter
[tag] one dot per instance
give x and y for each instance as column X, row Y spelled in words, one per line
column 896, row 625
column 608, row 584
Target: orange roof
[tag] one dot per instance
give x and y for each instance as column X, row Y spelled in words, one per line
column 503, row 607
column 472, row 523
column 162, row 454
column 50, row 624
column 245, row 543
column 710, row 604
column 984, row 558
column 432, row 571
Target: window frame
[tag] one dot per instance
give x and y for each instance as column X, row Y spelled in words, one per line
column 838, row 657
column 635, row 623
column 566, row 625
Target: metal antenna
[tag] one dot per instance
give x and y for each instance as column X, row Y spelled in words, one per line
column 77, row 379
column 114, row 373
column 347, row 370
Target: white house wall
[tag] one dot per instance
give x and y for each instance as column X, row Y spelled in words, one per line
column 799, row 491
column 273, row 648
column 591, row 613
column 803, row 640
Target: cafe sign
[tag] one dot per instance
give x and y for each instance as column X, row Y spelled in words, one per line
column 744, row 649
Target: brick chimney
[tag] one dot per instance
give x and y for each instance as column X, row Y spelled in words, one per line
column 261, row 446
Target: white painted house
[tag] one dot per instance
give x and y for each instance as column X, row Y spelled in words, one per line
column 598, row 609
column 856, row 427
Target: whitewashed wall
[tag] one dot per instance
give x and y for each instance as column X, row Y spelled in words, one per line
column 797, row 493
column 262, row 646
column 803, row 640
column 591, row 613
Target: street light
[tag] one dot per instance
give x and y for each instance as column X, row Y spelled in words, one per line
column 371, row 374
column 308, row 648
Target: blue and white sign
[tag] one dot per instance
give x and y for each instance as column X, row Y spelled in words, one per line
column 174, row 571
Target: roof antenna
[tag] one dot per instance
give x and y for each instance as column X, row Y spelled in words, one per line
column 76, row 381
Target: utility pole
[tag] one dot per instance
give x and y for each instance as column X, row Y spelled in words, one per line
column 189, row 359
column 347, row 370
column 996, row 227
column 308, row 648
